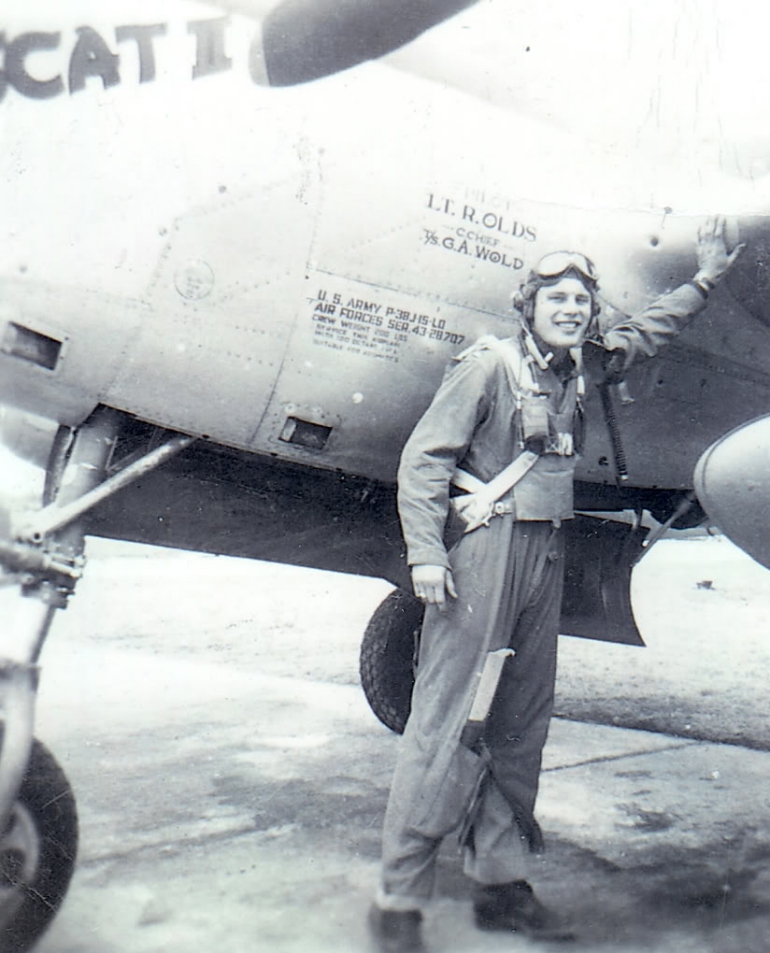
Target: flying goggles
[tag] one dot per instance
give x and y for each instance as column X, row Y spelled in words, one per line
column 555, row 264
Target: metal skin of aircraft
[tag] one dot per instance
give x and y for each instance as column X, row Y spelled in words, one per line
column 237, row 254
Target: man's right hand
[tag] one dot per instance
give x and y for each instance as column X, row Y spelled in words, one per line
column 432, row 584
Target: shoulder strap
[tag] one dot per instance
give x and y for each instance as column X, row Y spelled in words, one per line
column 516, row 365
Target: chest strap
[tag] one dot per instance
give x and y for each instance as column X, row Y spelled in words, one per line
column 478, row 506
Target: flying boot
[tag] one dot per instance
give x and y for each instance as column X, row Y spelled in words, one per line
column 514, row 907
column 396, row 931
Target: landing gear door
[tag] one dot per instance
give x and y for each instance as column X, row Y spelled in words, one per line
column 600, row 554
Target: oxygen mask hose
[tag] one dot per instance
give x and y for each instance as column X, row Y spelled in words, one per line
column 618, row 454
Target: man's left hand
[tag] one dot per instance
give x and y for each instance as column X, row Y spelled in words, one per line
column 713, row 258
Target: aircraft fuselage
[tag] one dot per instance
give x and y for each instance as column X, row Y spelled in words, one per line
column 289, row 276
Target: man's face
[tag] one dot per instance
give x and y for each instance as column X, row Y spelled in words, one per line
column 562, row 313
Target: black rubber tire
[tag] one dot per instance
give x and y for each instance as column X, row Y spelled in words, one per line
column 387, row 660
column 34, row 877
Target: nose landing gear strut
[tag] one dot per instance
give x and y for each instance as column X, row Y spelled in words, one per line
column 44, row 553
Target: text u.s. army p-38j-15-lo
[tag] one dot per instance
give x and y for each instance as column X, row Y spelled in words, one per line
column 239, row 244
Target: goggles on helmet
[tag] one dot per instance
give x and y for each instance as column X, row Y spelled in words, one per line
column 555, row 264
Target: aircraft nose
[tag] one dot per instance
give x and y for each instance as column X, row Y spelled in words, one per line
column 732, row 481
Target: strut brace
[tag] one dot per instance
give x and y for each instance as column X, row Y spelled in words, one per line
column 49, row 577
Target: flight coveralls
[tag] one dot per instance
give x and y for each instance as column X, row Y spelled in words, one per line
column 509, row 579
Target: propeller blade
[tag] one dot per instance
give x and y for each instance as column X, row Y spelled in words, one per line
column 304, row 40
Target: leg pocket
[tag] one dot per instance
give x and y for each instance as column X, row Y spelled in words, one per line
column 448, row 788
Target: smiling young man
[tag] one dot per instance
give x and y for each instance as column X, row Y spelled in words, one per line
column 489, row 567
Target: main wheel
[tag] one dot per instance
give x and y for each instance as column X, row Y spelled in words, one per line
column 389, row 657
column 37, row 852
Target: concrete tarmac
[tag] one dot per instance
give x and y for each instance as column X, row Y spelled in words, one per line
column 231, row 779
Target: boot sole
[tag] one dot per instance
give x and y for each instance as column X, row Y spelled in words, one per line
column 505, row 925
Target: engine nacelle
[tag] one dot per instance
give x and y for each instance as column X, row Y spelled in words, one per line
column 732, row 480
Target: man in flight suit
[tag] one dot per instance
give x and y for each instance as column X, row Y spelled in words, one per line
column 499, row 586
